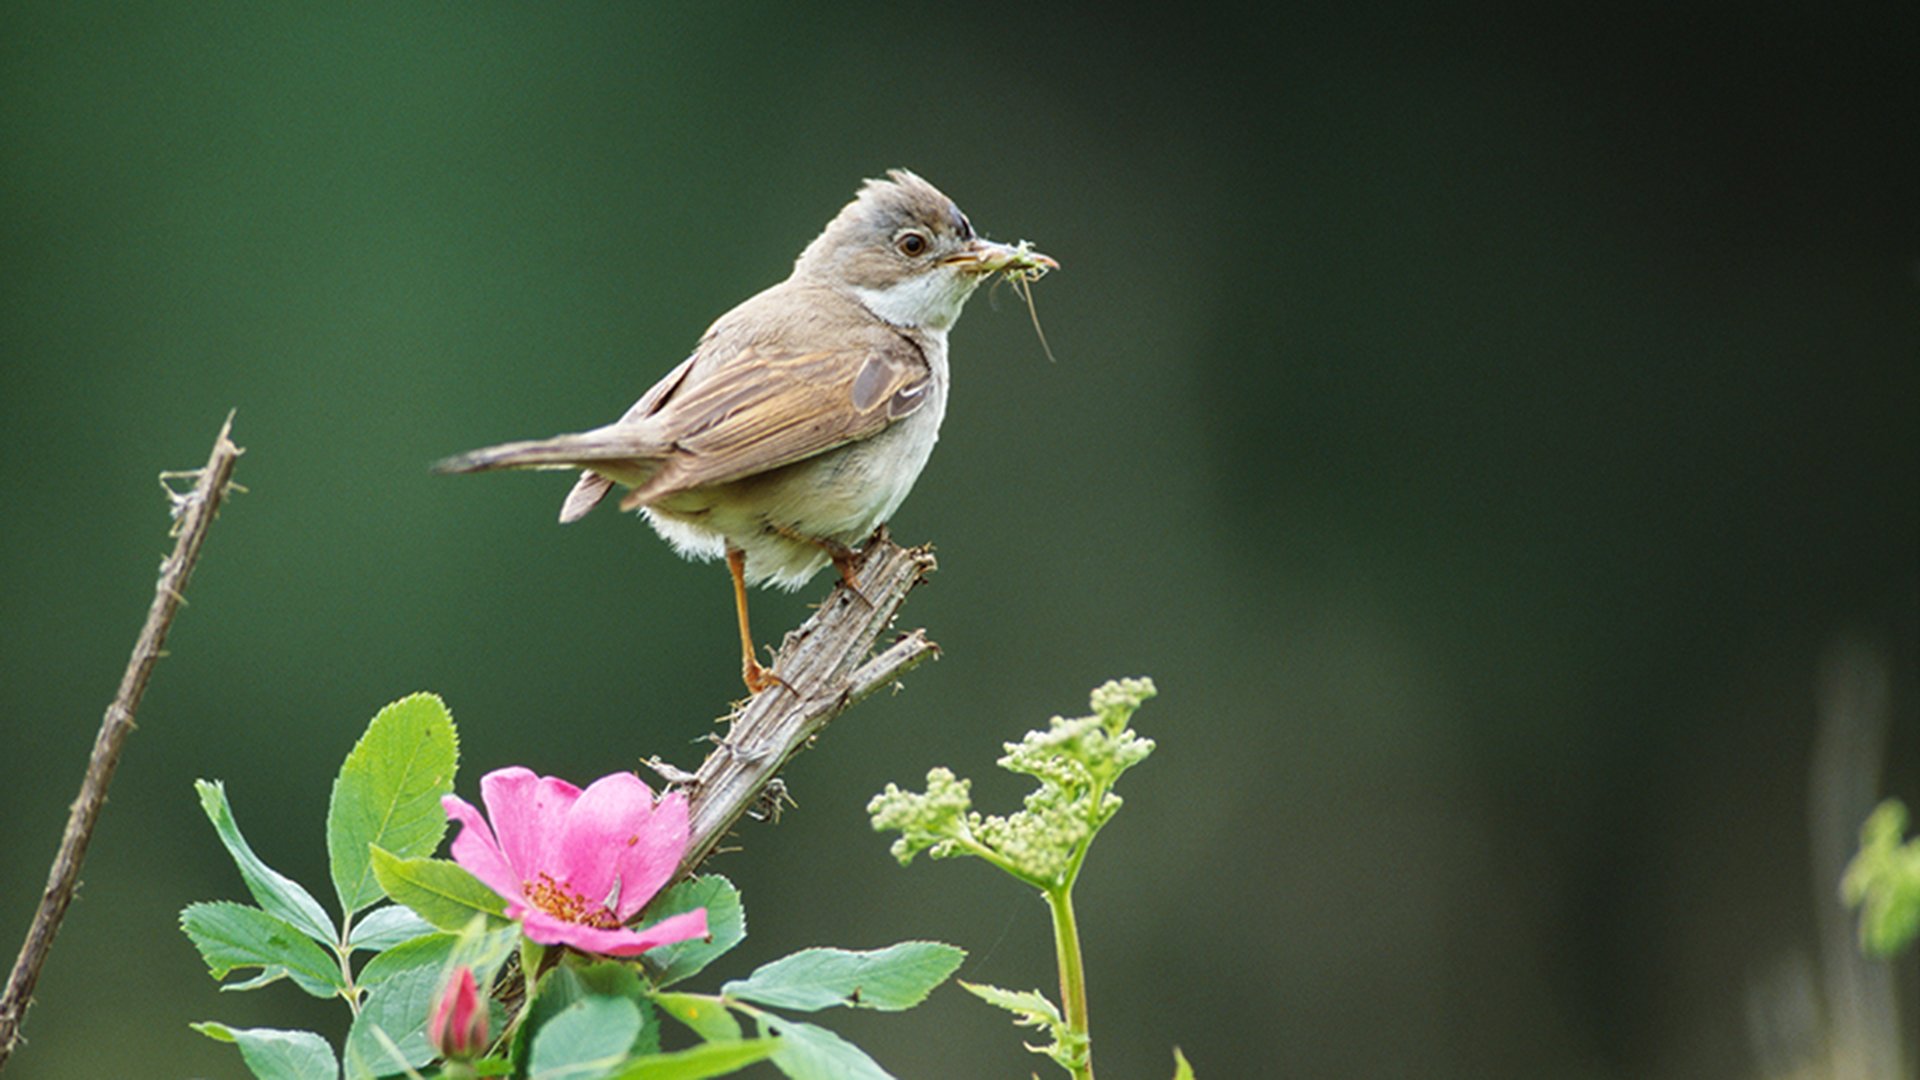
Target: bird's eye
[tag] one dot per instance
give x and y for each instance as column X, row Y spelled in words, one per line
column 911, row 244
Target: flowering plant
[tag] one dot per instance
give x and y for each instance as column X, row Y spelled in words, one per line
column 574, row 867
column 1045, row 844
column 457, row 1023
column 578, row 885
column 552, row 876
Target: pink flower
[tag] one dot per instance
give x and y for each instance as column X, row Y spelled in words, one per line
column 575, row 865
column 457, row 1026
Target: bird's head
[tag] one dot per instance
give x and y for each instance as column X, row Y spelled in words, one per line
column 906, row 251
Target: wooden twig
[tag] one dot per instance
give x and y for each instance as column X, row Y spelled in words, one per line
column 193, row 514
column 824, row 667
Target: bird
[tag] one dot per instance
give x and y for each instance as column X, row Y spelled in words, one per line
column 803, row 416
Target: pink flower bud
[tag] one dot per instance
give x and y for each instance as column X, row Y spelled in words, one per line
column 457, row 1026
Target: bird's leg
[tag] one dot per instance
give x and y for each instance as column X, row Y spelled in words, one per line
column 843, row 559
column 842, row 555
column 752, row 673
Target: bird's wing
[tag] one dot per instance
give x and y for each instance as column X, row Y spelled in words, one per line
column 763, row 406
column 592, row 486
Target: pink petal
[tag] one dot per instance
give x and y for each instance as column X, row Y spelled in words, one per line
column 614, row 839
column 476, row 849
column 457, row 1023
column 653, row 856
column 682, row 927
column 527, row 812
column 548, row 930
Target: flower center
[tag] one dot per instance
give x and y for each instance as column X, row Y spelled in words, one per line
column 562, row 902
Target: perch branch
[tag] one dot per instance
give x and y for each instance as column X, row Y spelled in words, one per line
column 193, row 515
column 824, row 667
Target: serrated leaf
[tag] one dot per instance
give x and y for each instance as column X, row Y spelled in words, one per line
column 276, row 893
column 700, row 1062
column 438, row 890
column 807, row 1052
column 266, row 977
column 272, row 1054
column 726, row 926
column 485, row 948
column 897, row 977
column 388, row 793
column 585, row 1039
column 390, row 1032
column 385, row 927
column 570, row 984
column 1030, row 1008
column 214, row 1029
column 556, row 990
column 708, row 1016
column 231, row 936
column 1031, row 1005
column 433, row 951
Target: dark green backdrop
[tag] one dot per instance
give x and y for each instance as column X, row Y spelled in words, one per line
column 1481, row 425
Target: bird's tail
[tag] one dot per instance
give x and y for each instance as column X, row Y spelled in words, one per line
column 606, row 456
column 604, row 450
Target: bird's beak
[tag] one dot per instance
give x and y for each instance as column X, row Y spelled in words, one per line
column 987, row 257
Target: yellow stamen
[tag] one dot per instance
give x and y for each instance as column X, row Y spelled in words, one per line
column 562, row 902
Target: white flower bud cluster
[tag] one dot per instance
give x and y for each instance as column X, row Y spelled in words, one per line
column 1076, row 761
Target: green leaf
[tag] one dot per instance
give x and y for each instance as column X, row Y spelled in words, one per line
column 231, row 936
column 710, row 1059
column 897, row 977
column 708, row 1016
column 586, row 1039
column 1181, row 1070
column 807, row 1052
column 390, row 1032
column 272, row 1054
column 432, row 951
column 1030, row 1008
column 385, row 927
column 726, row 926
column 388, row 793
column 485, row 948
column 570, row 984
column 439, row 891
column 276, row 893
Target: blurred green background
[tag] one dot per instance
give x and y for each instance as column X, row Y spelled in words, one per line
column 1486, row 426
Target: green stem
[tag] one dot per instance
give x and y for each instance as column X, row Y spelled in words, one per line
column 344, row 953
column 1073, row 978
column 1006, row 866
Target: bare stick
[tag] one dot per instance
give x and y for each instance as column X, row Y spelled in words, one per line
column 823, row 667
column 193, row 514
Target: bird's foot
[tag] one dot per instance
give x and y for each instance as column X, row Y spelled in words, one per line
column 843, row 562
column 844, row 556
column 759, row 677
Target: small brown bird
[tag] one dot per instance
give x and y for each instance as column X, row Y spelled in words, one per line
column 805, row 414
